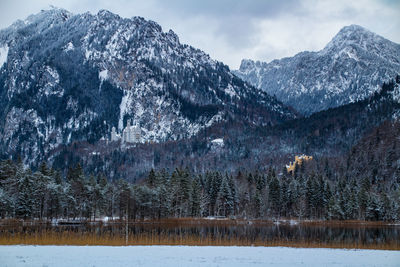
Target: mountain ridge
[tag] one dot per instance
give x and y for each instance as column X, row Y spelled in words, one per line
column 72, row 77
column 352, row 66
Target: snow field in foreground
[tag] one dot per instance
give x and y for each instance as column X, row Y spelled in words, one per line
column 191, row 256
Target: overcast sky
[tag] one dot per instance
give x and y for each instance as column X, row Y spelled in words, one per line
column 230, row 30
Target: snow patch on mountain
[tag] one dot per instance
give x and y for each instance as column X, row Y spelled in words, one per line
column 49, row 83
column 396, row 93
column 124, row 107
column 230, row 91
column 218, row 141
column 69, row 47
column 3, row 55
column 103, row 75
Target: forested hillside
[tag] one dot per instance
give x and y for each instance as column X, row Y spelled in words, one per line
column 235, row 144
column 364, row 185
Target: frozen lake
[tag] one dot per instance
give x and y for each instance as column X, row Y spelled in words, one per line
column 192, row 256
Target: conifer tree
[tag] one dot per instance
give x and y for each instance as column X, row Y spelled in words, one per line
column 275, row 195
column 225, row 200
column 151, row 179
column 195, row 200
column 25, row 204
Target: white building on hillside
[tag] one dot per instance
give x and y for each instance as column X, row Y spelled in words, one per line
column 114, row 135
column 130, row 134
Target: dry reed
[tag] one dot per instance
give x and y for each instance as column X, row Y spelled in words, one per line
column 50, row 237
column 13, row 234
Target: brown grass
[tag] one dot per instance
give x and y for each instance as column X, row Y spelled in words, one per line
column 49, row 237
column 13, row 234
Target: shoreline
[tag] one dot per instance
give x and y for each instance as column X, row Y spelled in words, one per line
column 203, row 221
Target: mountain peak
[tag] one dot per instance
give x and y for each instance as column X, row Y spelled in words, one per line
column 351, row 67
column 103, row 13
column 246, row 64
column 353, row 35
column 36, row 23
column 353, row 28
column 54, row 13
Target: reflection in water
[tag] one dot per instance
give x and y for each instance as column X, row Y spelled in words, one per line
column 242, row 234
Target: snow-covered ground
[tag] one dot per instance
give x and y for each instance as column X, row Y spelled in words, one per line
column 191, row 256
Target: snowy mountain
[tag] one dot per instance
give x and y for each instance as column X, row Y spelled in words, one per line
column 66, row 78
column 238, row 145
column 351, row 67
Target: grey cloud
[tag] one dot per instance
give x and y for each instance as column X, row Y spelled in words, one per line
column 230, row 30
column 236, row 20
column 224, row 8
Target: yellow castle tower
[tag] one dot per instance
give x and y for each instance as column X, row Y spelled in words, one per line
column 298, row 160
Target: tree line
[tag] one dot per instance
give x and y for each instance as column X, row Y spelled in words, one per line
column 47, row 194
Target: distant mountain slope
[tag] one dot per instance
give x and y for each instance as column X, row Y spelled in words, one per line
column 66, row 77
column 351, row 67
column 336, row 130
column 234, row 145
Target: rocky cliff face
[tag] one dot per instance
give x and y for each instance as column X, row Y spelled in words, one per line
column 351, row 67
column 66, row 78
